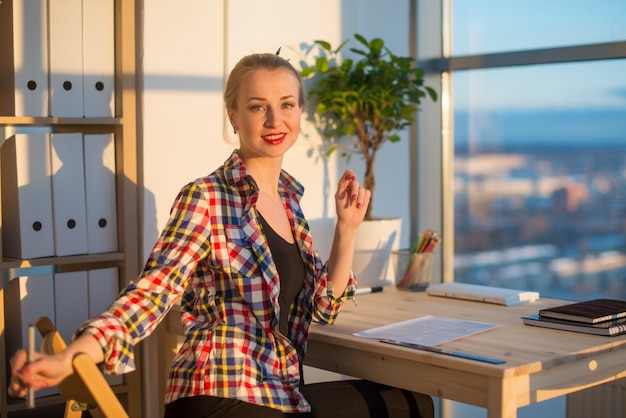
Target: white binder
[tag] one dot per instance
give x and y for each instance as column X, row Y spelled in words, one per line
column 100, row 191
column 482, row 293
column 30, row 51
column 71, row 304
column 27, row 225
column 103, row 290
column 98, row 58
column 68, row 194
column 66, row 58
column 27, row 298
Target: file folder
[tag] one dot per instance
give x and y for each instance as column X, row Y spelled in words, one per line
column 26, row 298
column 27, row 224
column 100, row 190
column 66, row 58
column 98, row 58
column 103, row 290
column 68, row 194
column 30, row 60
column 71, row 304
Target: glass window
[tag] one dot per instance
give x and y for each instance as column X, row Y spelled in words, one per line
column 540, row 178
column 487, row 26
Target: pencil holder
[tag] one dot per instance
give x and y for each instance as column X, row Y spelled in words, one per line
column 413, row 270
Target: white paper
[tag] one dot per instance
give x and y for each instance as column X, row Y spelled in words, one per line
column 428, row 330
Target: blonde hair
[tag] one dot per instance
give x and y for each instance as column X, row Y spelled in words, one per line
column 254, row 62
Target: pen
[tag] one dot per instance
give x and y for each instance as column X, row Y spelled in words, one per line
column 444, row 351
column 364, row 290
column 30, row 400
column 416, row 243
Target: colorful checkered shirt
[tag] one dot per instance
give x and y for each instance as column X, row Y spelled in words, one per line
column 213, row 257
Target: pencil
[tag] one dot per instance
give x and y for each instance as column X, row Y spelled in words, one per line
column 427, row 234
column 416, row 243
column 30, row 400
column 432, row 243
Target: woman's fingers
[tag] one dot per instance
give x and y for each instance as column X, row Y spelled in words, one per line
column 25, row 375
column 345, row 186
column 364, row 198
column 18, row 386
column 352, row 198
column 354, row 192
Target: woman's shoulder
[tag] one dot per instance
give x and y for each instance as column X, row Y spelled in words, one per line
column 221, row 176
column 220, row 186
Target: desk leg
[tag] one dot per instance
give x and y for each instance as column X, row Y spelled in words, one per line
column 170, row 343
column 501, row 399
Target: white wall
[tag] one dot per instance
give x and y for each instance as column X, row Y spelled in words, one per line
column 190, row 46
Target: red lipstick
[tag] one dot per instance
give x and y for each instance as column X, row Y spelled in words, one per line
column 275, row 138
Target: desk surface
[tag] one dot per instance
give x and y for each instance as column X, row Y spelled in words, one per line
column 540, row 363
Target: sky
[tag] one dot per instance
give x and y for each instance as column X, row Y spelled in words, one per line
column 488, row 26
column 484, row 26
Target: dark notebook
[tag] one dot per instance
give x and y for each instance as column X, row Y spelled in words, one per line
column 590, row 311
column 607, row 328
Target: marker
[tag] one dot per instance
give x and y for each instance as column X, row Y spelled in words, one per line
column 30, row 399
column 364, row 290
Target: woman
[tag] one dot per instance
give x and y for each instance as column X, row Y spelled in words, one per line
column 237, row 252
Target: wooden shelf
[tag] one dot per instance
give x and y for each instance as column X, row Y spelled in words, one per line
column 107, row 259
column 124, row 128
column 15, row 404
column 11, row 125
column 52, row 121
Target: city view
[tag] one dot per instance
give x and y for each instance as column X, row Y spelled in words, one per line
column 546, row 218
column 540, row 151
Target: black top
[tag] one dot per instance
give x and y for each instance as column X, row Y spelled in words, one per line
column 290, row 271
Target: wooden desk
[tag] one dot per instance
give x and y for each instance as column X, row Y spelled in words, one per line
column 540, row 363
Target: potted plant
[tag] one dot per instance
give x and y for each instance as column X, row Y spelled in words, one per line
column 365, row 101
column 360, row 104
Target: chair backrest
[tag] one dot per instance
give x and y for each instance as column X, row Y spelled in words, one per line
column 87, row 387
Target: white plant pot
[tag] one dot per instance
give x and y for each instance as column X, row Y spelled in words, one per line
column 374, row 242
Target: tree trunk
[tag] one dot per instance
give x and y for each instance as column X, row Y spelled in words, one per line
column 370, row 184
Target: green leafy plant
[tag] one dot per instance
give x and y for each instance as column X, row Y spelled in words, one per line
column 366, row 100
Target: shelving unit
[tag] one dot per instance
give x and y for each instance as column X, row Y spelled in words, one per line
column 124, row 128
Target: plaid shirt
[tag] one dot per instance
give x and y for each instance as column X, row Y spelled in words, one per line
column 214, row 257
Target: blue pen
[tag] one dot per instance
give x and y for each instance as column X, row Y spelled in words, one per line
column 444, row 351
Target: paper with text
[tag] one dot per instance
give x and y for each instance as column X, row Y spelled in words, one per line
column 428, row 330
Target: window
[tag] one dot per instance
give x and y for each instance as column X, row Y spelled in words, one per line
column 536, row 194
column 490, row 26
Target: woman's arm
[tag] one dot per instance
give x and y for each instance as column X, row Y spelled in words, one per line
column 351, row 201
column 112, row 335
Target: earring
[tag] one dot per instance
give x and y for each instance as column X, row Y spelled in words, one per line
column 235, row 131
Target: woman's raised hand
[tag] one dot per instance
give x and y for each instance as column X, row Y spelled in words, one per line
column 351, row 200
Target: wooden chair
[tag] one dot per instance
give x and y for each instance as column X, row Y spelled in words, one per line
column 86, row 389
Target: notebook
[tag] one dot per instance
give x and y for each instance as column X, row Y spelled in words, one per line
column 607, row 328
column 480, row 293
column 591, row 311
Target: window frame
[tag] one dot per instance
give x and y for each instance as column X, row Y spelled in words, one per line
column 432, row 165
